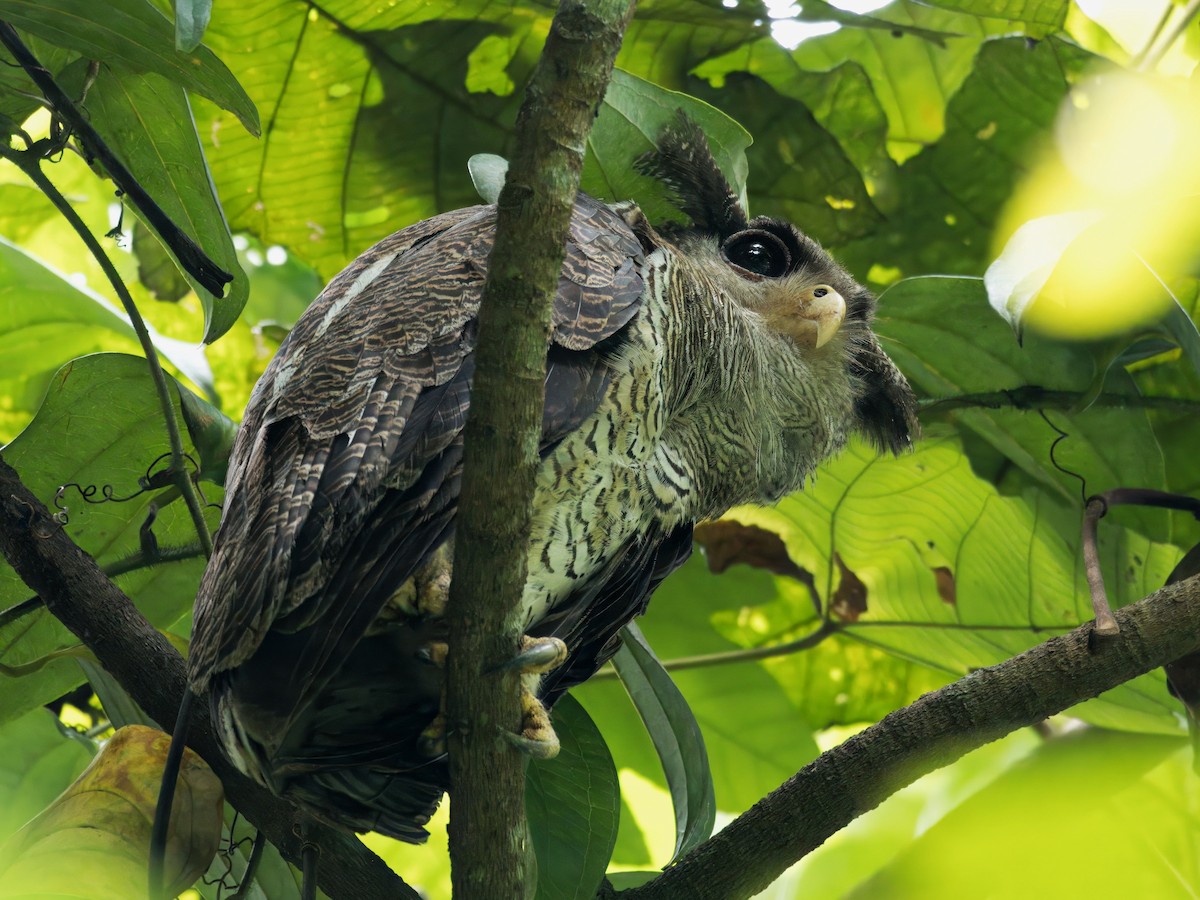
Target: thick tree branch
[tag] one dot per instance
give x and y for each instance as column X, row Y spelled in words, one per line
column 487, row 819
column 937, row 729
column 148, row 667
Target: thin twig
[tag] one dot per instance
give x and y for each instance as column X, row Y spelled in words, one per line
column 31, row 166
column 1031, row 397
column 1155, row 49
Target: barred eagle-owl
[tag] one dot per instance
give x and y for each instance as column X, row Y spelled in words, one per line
column 689, row 369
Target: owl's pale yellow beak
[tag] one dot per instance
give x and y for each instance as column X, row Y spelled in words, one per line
column 822, row 311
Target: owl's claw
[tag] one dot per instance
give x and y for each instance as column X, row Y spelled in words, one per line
column 434, row 653
column 432, row 741
column 537, row 656
column 537, row 737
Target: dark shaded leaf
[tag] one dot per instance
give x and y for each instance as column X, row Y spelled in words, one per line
column 147, row 122
column 676, row 737
column 573, row 802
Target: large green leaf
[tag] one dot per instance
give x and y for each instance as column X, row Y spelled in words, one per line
column 334, row 81
column 841, row 100
column 798, row 169
column 132, row 34
column 147, row 122
column 100, row 429
column 573, row 802
column 1114, row 818
column 951, row 194
column 912, row 78
column 948, row 572
column 37, row 761
column 46, row 320
column 1109, row 444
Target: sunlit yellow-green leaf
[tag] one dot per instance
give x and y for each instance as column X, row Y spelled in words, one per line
column 93, row 841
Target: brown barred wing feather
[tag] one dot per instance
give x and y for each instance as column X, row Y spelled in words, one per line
column 344, row 481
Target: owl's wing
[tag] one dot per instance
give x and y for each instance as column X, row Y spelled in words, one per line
column 345, row 473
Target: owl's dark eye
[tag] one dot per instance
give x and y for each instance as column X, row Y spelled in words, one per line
column 758, row 253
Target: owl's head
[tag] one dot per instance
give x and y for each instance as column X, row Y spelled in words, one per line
column 786, row 277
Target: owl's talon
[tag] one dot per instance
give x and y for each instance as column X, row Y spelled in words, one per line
column 434, row 653
column 432, row 741
column 537, row 656
column 538, row 737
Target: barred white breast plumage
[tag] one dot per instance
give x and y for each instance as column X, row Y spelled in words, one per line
column 690, row 369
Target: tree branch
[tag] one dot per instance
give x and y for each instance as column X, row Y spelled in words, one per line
column 937, row 729
column 148, row 667
column 488, row 843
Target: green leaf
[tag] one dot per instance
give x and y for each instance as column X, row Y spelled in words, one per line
column 18, row 93
column 669, row 38
column 156, row 267
column 820, row 11
column 947, row 203
column 45, row 320
column 333, row 81
column 361, row 73
column 134, row 35
column 841, row 100
column 950, row 573
column 100, row 429
column 1114, row 819
column 1041, row 17
column 633, row 114
column 488, row 172
column 147, row 122
column 912, row 78
column 676, row 737
column 37, row 761
column 212, row 432
column 191, row 19
column 696, row 613
column 573, row 802
column 799, row 170
column 1109, row 444
column 1027, row 261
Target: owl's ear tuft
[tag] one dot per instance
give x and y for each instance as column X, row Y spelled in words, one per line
column 683, row 162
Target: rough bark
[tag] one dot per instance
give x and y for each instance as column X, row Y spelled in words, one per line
column 80, row 596
column 487, row 818
column 855, row 777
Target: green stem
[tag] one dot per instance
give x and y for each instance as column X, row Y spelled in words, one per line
column 1156, row 49
column 1032, row 397
column 191, row 496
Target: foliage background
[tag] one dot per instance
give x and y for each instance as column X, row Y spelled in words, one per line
column 898, row 140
